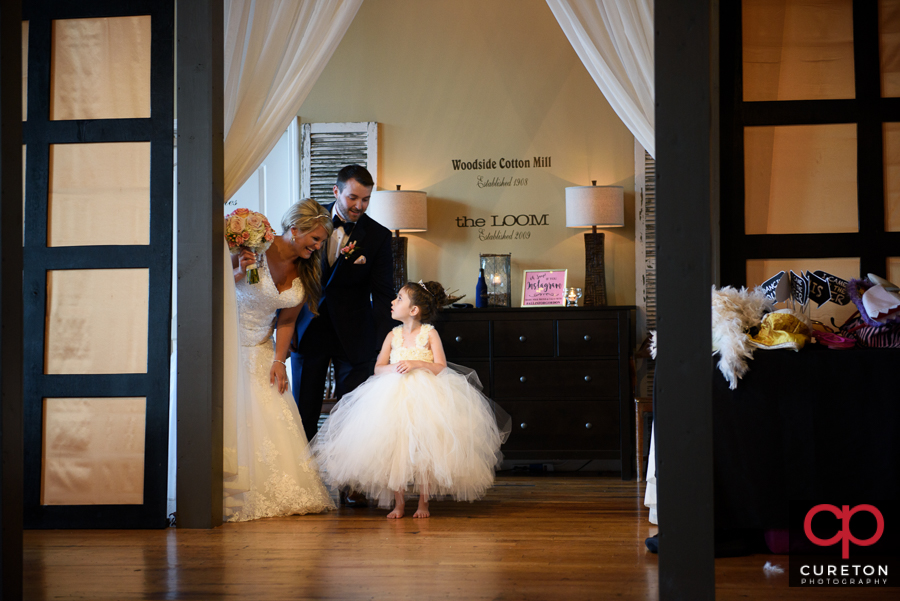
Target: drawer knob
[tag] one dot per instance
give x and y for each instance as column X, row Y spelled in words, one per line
column 587, row 378
column 522, row 379
column 522, row 339
column 589, row 425
column 587, row 338
column 523, row 425
column 458, row 339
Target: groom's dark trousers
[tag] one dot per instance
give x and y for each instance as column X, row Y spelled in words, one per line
column 354, row 319
column 312, row 366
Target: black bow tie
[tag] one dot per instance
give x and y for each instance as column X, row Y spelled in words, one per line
column 347, row 225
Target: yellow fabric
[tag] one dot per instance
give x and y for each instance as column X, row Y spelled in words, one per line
column 100, row 68
column 96, row 321
column 781, row 331
column 99, row 194
column 798, row 49
column 421, row 352
column 93, row 451
column 800, row 179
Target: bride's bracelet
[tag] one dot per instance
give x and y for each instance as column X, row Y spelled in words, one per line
column 277, row 361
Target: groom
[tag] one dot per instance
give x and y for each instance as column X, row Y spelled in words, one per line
column 355, row 308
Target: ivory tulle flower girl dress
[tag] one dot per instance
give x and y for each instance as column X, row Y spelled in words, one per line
column 416, row 426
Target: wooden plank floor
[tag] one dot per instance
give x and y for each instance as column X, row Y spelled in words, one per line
column 530, row 538
column 544, row 538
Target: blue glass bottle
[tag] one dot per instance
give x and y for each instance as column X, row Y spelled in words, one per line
column 481, row 291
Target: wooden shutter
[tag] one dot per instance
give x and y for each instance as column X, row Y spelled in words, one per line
column 327, row 147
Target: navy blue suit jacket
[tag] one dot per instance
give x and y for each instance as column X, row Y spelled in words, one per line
column 356, row 298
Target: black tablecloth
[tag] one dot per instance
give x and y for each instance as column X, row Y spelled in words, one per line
column 817, row 424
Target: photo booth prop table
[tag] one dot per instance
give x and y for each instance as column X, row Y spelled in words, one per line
column 809, row 425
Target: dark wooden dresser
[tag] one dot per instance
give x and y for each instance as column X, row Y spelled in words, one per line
column 561, row 373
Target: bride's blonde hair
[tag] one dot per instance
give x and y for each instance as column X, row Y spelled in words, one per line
column 306, row 216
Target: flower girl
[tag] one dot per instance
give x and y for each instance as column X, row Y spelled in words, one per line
column 415, row 426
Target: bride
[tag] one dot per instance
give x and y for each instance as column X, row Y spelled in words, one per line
column 268, row 472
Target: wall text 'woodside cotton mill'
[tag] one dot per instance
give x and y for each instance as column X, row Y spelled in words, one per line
column 501, row 163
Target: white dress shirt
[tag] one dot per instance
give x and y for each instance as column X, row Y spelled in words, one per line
column 335, row 242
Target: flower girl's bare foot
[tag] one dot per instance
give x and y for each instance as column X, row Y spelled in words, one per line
column 399, row 506
column 422, row 511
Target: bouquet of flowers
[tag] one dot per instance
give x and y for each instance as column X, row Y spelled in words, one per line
column 246, row 228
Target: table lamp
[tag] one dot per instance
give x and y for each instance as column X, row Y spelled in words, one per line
column 594, row 206
column 401, row 211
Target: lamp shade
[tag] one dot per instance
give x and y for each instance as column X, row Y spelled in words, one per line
column 403, row 210
column 601, row 206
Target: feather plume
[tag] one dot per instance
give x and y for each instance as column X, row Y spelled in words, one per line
column 733, row 313
column 771, row 568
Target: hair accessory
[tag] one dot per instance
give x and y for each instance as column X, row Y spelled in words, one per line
column 422, row 284
column 310, row 219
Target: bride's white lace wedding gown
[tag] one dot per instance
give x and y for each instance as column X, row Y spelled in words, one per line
column 269, row 472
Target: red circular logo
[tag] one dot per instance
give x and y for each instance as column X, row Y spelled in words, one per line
column 844, row 535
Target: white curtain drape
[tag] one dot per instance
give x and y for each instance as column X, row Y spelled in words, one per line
column 275, row 51
column 614, row 40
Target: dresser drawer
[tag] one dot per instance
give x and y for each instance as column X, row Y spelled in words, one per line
column 555, row 379
column 588, row 337
column 483, row 370
column 563, row 425
column 523, row 338
column 465, row 339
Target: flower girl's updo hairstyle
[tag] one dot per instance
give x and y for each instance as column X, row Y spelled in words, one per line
column 306, row 216
column 428, row 297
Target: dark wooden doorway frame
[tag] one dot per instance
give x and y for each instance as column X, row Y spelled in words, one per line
column 687, row 172
column 11, row 301
column 39, row 133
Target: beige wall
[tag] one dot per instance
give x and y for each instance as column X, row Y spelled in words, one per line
column 474, row 79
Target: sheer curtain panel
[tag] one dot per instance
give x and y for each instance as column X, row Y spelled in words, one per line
column 614, row 40
column 275, row 51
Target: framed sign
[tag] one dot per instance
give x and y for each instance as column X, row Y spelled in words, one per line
column 544, row 288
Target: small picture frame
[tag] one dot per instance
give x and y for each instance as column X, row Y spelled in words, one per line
column 544, row 288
